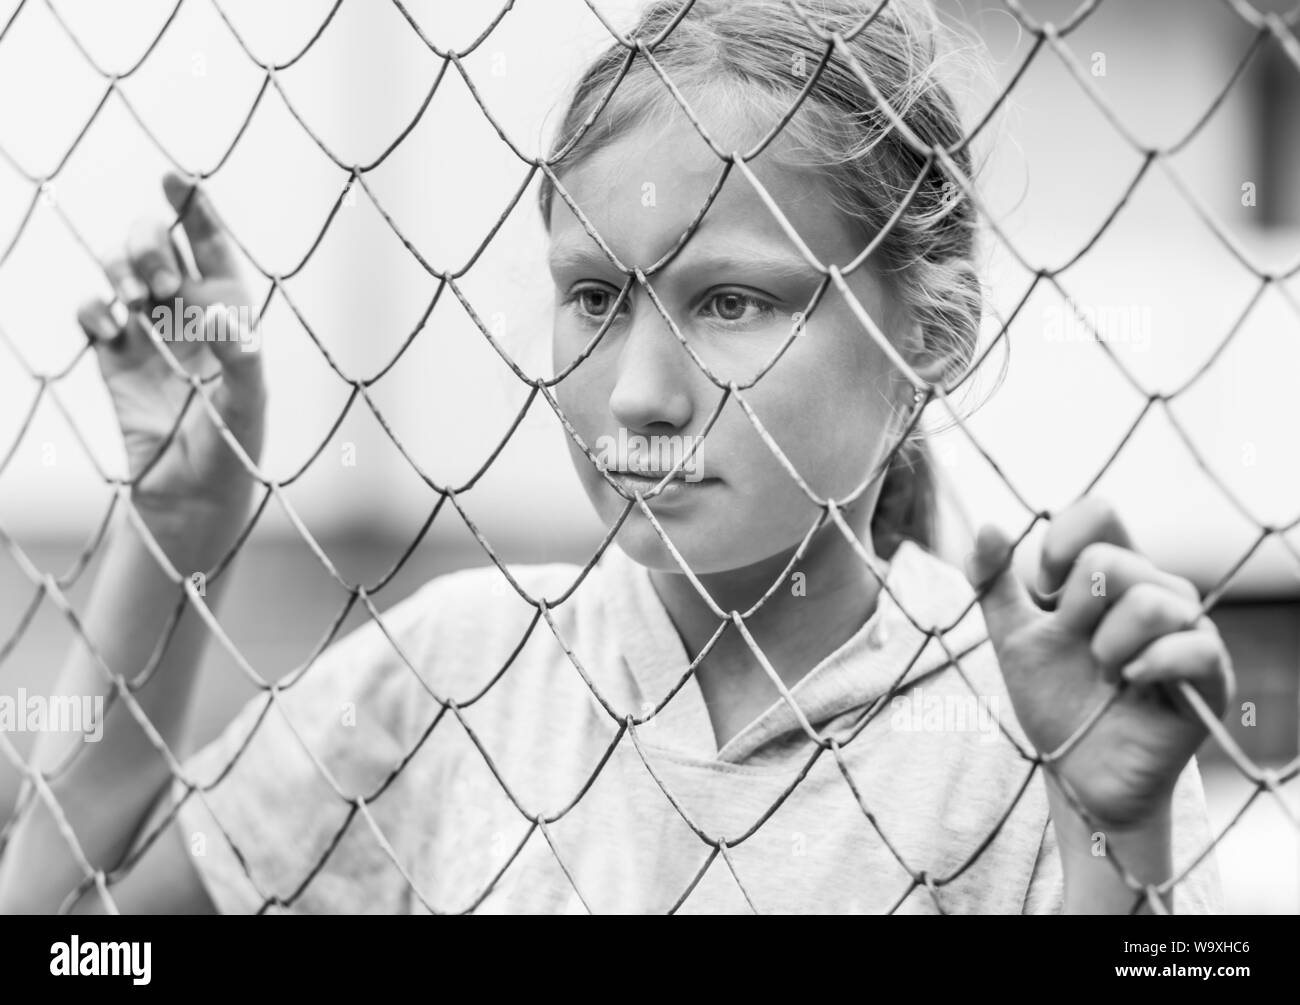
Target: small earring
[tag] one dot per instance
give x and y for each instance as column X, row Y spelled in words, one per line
column 918, row 398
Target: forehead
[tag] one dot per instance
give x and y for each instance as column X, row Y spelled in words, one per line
column 642, row 190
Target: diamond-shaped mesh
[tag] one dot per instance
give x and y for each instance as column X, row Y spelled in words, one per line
column 1048, row 42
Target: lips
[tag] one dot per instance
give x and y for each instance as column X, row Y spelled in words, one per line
column 632, row 483
column 652, row 476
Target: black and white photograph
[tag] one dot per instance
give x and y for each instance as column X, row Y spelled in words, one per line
column 650, row 457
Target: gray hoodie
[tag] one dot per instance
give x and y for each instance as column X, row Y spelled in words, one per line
column 360, row 791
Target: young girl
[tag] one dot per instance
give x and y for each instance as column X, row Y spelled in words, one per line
column 765, row 694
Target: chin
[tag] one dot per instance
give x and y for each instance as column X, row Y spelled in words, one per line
column 644, row 546
column 704, row 551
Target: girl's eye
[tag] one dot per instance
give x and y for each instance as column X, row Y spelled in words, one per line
column 730, row 307
column 735, row 307
column 594, row 302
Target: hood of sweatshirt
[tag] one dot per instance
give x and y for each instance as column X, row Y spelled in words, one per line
column 890, row 651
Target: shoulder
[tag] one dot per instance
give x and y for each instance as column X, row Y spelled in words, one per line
column 422, row 644
column 282, row 777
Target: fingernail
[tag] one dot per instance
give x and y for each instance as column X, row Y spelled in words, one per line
column 104, row 327
column 1131, row 670
column 132, row 290
column 165, row 283
column 120, row 314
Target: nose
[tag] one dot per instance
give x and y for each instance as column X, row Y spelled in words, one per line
column 653, row 375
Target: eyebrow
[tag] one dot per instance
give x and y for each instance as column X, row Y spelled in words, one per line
column 717, row 256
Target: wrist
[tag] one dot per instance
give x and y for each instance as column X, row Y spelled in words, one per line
column 1096, row 854
column 1154, row 821
column 194, row 534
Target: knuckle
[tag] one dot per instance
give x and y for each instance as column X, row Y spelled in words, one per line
column 1199, row 654
column 1188, row 610
column 1099, row 508
column 1097, row 556
column 1054, row 555
column 1216, row 661
column 1185, row 588
column 1229, row 680
column 1148, row 605
column 1107, row 509
column 1088, row 517
column 1205, row 626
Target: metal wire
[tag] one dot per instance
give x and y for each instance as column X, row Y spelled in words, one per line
column 1267, row 28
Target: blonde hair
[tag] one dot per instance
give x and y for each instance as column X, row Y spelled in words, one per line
column 757, row 56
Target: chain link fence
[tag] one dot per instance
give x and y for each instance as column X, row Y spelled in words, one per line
column 1049, row 41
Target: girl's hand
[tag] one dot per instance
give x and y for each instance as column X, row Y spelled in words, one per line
column 1119, row 622
column 198, row 484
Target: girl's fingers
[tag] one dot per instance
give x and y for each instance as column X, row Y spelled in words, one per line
column 1004, row 601
column 1102, row 575
column 117, row 336
column 1145, row 613
column 241, row 394
column 1091, row 520
column 1196, row 656
column 131, row 297
column 126, row 284
column 228, row 335
column 213, row 253
column 97, row 321
column 149, row 250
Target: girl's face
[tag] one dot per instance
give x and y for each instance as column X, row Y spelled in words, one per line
column 734, row 291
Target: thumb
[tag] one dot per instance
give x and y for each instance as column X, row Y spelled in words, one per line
column 1003, row 599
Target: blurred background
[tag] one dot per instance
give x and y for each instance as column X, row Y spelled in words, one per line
column 1165, row 284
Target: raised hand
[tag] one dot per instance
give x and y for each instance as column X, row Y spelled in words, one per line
column 1120, row 622
column 199, row 478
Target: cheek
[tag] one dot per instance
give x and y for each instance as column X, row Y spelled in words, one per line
column 583, row 395
column 824, row 404
column 564, row 342
column 575, row 388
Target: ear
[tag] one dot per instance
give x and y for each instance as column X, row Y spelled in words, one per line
column 923, row 363
column 917, row 352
